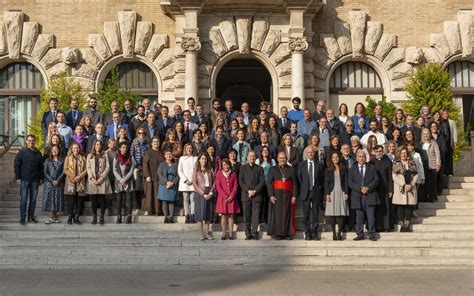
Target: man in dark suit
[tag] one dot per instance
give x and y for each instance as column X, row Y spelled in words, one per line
column 347, row 133
column 363, row 181
column 93, row 112
column 334, row 123
column 112, row 129
column 49, row 116
column 310, row 177
column 222, row 144
column 98, row 136
column 319, row 111
column 151, row 128
column 200, row 117
column 251, row 181
column 265, row 141
column 410, row 125
column 284, row 122
column 165, row 122
column 114, row 107
column 74, row 116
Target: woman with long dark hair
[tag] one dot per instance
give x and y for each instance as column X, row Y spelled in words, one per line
column 203, row 183
column 75, row 187
column 53, row 190
column 123, row 171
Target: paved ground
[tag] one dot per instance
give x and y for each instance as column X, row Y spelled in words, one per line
column 231, row 282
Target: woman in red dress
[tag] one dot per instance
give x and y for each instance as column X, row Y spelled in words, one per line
column 227, row 205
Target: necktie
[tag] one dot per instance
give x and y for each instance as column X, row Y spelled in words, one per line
column 284, row 122
column 74, row 115
column 54, row 115
column 311, row 177
column 164, row 121
column 362, row 171
column 115, row 131
column 187, row 127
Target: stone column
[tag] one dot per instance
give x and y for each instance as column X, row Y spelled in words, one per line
column 191, row 47
column 297, row 46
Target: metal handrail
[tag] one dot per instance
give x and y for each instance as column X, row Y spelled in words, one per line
column 6, row 144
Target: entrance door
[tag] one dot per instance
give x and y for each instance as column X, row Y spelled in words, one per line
column 468, row 110
column 244, row 80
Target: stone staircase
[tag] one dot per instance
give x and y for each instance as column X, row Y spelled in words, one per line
column 443, row 237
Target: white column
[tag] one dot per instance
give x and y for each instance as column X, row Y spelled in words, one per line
column 191, row 46
column 191, row 86
column 297, row 46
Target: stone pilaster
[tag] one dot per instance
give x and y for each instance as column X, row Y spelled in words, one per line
column 191, row 46
column 297, row 47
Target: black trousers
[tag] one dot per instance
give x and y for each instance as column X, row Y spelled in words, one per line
column 337, row 220
column 311, row 213
column 73, row 204
column 98, row 200
column 431, row 190
column 405, row 212
column 365, row 212
column 448, row 167
column 251, row 209
column 124, row 197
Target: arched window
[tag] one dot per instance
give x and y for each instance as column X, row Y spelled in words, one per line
column 352, row 82
column 462, row 82
column 139, row 78
column 20, row 87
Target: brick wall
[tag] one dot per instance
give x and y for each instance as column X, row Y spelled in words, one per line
column 71, row 21
column 411, row 20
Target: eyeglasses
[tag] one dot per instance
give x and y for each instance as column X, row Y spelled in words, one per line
column 142, row 133
column 349, row 125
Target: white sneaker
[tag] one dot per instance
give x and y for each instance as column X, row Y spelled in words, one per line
column 49, row 221
column 56, row 220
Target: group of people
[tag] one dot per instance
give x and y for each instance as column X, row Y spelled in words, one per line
column 219, row 165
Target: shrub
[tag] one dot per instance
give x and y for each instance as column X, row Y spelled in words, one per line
column 388, row 108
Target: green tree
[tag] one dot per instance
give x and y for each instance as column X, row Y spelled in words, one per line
column 110, row 91
column 65, row 89
column 388, row 108
column 431, row 85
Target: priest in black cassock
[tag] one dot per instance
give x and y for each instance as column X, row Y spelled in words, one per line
column 384, row 213
column 282, row 190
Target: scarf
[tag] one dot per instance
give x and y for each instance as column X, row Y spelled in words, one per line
column 125, row 160
column 79, row 139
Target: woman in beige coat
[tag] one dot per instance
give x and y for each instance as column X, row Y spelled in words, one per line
column 98, row 184
column 404, row 197
column 75, row 187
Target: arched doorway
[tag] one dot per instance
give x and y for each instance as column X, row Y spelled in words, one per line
column 139, row 78
column 20, row 87
column 352, row 82
column 462, row 82
column 244, row 80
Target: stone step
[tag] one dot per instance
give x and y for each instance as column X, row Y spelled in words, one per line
column 468, row 192
column 441, row 205
column 444, row 220
column 461, row 185
column 165, row 262
column 444, row 212
column 461, row 179
column 191, row 240
column 225, row 251
column 455, row 198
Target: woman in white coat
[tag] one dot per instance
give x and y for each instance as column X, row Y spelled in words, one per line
column 185, row 171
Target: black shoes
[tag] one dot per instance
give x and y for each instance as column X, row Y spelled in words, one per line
column 119, row 219
column 359, row 238
column 69, row 220
column 22, row 221
column 339, row 236
column 76, row 220
column 101, row 221
column 32, row 220
column 188, row 219
column 372, row 238
column 94, row 220
column 248, row 237
column 129, row 219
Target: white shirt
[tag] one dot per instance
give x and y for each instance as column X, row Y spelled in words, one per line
column 381, row 139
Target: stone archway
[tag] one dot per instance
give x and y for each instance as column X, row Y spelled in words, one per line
column 244, row 80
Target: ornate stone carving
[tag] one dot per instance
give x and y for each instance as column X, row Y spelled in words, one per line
column 28, row 38
column 165, row 58
column 157, row 43
column 42, row 44
column 190, row 44
column 217, row 42
column 84, row 70
column 413, row 55
column 70, row 55
column 343, row 37
column 401, row 70
column 453, row 36
column 57, row 69
column 89, row 57
column 386, row 43
column 228, row 31
column 243, row 25
column 331, row 45
column 321, row 57
column 98, row 42
column 357, row 21
column 431, row 55
column 112, row 35
column 143, row 36
column 297, row 44
column 271, row 42
column 280, row 54
column 439, row 42
column 3, row 43
column 13, row 24
column 372, row 36
column 395, row 56
column 127, row 23
column 466, row 26
column 259, row 32
column 52, row 57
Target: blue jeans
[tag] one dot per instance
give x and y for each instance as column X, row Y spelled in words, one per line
column 28, row 190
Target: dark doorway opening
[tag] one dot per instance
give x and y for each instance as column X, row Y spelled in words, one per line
column 244, row 80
